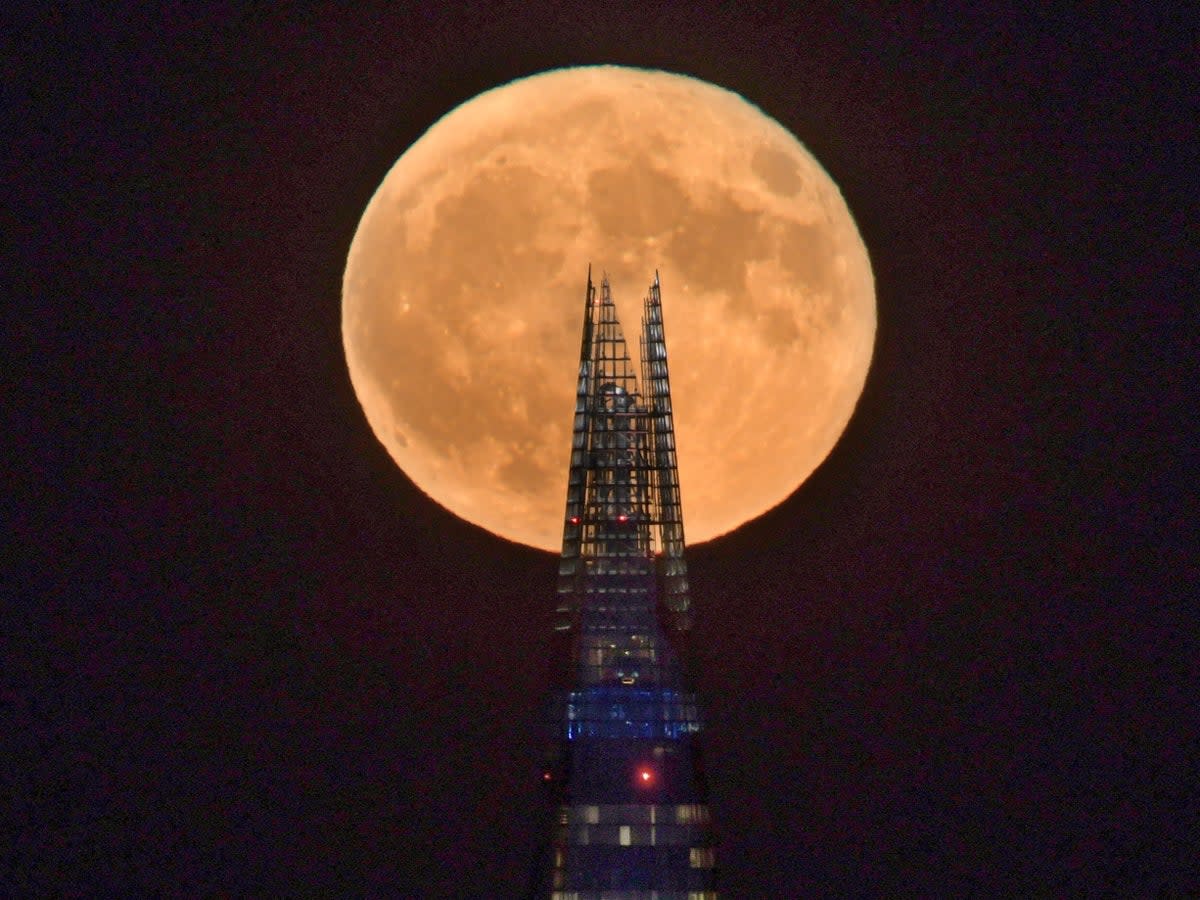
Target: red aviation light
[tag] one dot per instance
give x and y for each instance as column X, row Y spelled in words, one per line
column 574, row 520
column 645, row 776
column 622, row 518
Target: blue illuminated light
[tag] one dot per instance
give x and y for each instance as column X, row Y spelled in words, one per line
column 609, row 711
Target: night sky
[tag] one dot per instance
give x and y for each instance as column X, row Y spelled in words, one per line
column 243, row 654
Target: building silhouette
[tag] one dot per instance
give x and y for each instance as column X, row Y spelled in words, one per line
column 625, row 789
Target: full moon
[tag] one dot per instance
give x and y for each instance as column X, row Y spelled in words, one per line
column 462, row 301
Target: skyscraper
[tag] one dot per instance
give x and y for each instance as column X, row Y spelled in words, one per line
column 631, row 821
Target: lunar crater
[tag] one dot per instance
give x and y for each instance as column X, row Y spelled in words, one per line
column 778, row 170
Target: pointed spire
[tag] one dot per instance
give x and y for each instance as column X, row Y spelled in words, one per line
column 570, row 567
column 628, row 688
column 657, row 385
column 623, row 461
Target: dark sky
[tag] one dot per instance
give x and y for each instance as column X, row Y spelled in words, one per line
column 243, row 654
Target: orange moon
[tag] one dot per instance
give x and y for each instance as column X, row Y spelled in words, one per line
column 462, row 299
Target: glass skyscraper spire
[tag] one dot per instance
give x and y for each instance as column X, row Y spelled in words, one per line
column 631, row 821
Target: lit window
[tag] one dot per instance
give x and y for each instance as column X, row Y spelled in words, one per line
column 626, row 836
column 703, row 858
column 692, row 814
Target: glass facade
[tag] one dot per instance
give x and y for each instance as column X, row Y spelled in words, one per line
column 612, row 711
column 631, row 815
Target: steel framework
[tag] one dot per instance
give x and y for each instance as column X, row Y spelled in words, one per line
column 632, row 821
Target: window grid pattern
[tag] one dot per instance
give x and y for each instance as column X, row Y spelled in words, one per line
column 623, row 483
column 629, row 730
column 630, row 712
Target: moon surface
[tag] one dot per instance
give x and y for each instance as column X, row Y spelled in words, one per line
column 462, row 301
